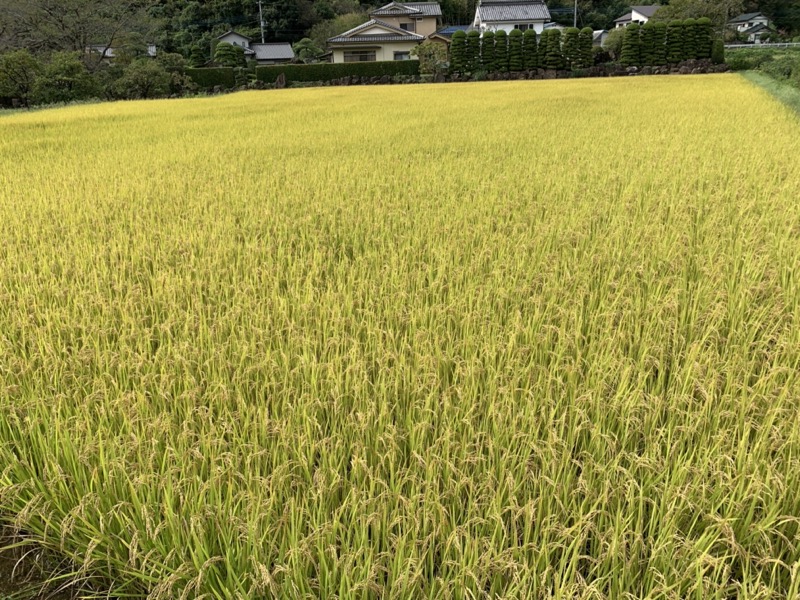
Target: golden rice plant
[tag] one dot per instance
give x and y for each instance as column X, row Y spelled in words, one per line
column 508, row 340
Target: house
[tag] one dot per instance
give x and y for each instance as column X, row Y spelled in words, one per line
column 391, row 33
column 262, row 53
column 753, row 26
column 111, row 52
column 445, row 35
column 494, row 15
column 599, row 37
column 638, row 14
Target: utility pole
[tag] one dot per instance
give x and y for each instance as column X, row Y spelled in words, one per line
column 575, row 22
column 261, row 19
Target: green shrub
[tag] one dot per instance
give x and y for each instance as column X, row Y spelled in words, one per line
column 501, row 50
column 458, row 52
column 648, row 44
column 718, row 52
column 660, row 44
column 571, row 49
column 472, row 60
column 781, row 68
column 530, row 50
column 553, row 57
column 704, row 34
column 515, row 60
column 65, row 79
column 632, row 46
column 328, row 71
column 142, row 79
column 228, row 55
column 198, row 57
column 689, row 39
column 675, row 39
column 209, row 78
column 488, row 61
column 586, row 47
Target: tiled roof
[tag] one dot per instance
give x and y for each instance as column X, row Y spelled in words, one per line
column 279, row 51
column 513, row 11
column 756, row 29
column 394, row 34
column 647, row 11
column 231, row 31
column 449, row 31
column 746, row 17
column 422, row 9
column 624, row 18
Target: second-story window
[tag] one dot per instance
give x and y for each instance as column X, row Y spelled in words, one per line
column 412, row 27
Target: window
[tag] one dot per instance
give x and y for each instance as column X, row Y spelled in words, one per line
column 402, row 56
column 412, row 27
column 524, row 26
column 359, row 56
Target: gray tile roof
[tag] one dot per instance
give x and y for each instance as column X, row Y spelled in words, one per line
column 746, row 17
column 277, row 51
column 422, row 9
column 647, row 11
column 756, row 29
column 624, row 18
column 395, row 34
column 513, row 11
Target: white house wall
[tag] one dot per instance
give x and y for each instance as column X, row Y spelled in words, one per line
column 384, row 52
column 509, row 27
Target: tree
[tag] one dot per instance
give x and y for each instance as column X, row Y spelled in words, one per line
column 704, row 37
column 675, row 39
column 586, row 45
column 487, row 52
column 632, row 46
column 307, row 51
column 432, row 57
column 472, row 54
column 718, row 52
column 501, row 50
column 143, row 78
column 719, row 11
column 515, row 60
column 660, row 44
column 197, row 56
column 571, row 48
column 229, row 55
column 74, row 25
column 689, row 39
column 19, row 71
column 530, row 49
column 648, row 44
column 553, row 57
column 65, row 79
column 457, row 52
column 614, row 41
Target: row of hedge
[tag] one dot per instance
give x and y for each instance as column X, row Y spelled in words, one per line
column 658, row 44
column 517, row 51
column 330, row 71
column 209, row 78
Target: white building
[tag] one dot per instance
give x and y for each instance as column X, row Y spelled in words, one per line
column 494, row 15
column 263, row 54
column 752, row 25
column 638, row 14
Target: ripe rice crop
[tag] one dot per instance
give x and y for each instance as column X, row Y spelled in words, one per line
column 514, row 339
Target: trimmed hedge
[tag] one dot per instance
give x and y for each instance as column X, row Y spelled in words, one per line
column 212, row 77
column 328, row 71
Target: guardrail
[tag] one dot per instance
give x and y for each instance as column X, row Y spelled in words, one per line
column 751, row 46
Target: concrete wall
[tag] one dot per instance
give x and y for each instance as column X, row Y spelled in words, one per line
column 538, row 27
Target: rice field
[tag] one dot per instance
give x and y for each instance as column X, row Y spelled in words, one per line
column 496, row 340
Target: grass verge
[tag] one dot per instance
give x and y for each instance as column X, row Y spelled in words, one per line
column 785, row 92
